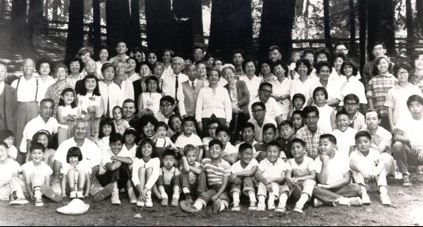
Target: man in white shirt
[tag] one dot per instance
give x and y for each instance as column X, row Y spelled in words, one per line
column 44, row 121
column 110, row 92
column 273, row 110
column 259, row 119
column 121, row 50
column 172, row 83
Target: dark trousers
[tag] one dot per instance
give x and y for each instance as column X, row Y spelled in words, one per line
column 198, row 187
column 121, row 175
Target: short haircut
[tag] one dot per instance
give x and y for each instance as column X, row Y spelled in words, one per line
column 169, row 152
column 152, row 78
column 310, row 109
column 414, row 56
column 362, row 134
column 322, row 89
column 189, row 119
column 399, row 66
column 273, row 144
column 324, row 51
column 5, row 133
column 265, row 84
column 414, row 98
column 130, row 131
column 128, row 101
column 244, row 64
column 139, row 154
column 36, row 146
column 286, row 123
column 161, row 124
column 298, row 96
column 42, row 61
column 341, row 112
column 258, row 104
column 76, row 60
column 322, row 64
column 249, row 125
column 351, row 97
column 58, row 66
column 269, row 126
column 171, row 119
column 243, row 147
column 115, row 137
column 210, row 71
column 373, row 110
column 350, row 63
column 222, row 128
column 274, row 47
column 189, row 148
column 299, row 112
column 300, row 141
column 167, row 98
column 308, row 51
column 238, row 51
column 305, row 62
column 46, row 100
column 330, row 137
column 283, row 65
column 74, row 152
column 107, row 65
column 214, row 142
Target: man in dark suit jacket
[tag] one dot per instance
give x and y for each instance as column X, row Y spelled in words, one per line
column 187, row 96
column 8, row 102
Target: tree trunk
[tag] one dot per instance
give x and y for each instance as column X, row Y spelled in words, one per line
column 277, row 21
column 197, row 21
column 135, row 31
column 75, row 39
column 160, row 29
column 373, row 25
column 35, row 17
column 117, row 16
column 56, row 7
column 362, row 17
column 183, row 15
column 419, row 17
column 18, row 37
column 388, row 26
column 326, row 21
column 230, row 28
column 410, row 26
column 96, row 27
column 352, row 24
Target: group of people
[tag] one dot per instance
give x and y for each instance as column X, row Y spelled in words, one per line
column 201, row 131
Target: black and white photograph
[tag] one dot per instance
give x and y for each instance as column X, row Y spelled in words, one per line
column 211, row 112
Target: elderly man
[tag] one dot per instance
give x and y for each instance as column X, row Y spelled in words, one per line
column 273, row 109
column 172, row 83
column 189, row 91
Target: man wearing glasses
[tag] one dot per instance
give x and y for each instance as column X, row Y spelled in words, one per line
column 273, row 109
column 351, row 106
column 259, row 119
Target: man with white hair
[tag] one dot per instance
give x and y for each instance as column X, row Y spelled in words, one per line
column 172, row 83
column 188, row 93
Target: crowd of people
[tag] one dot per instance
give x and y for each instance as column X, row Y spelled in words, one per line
column 201, row 131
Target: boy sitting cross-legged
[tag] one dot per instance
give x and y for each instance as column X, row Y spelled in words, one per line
column 368, row 167
column 300, row 175
column 168, row 182
column 271, row 176
column 193, row 178
column 334, row 177
column 242, row 175
column 218, row 172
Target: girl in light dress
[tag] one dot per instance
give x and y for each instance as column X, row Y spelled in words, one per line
column 120, row 124
column 107, row 127
column 67, row 113
column 149, row 101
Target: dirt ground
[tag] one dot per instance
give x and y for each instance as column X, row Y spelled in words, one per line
column 407, row 209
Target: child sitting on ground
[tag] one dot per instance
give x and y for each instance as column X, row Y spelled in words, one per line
column 300, row 176
column 212, row 126
column 242, row 174
column 229, row 152
column 218, row 172
column 162, row 142
column 188, row 137
column 120, row 124
column 247, row 134
column 192, row 177
column 7, row 136
column 271, row 176
column 44, row 137
column 168, row 182
column 297, row 119
column 76, row 175
column 368, row 167
column 286, row 136
column 344, row 134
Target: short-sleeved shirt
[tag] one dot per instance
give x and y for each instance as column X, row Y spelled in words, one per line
column 303, row 87
column 397, row 100
column 107, row 158
column 90, row 151
column 169, row 174
column 192, row 177
column 229, row 149
column 236, row 167
column 413, row 131
column 312, row 140
column 252, row 85
column 367, row 163
column 337, row 167
column 381, row 136
column 184, row 140
column 353, row 86
column 215, row 173
column 302, row 169
column 273, row 109
column 33, row 126
column 258, row 130
column 7, row 170
column 254, row 145
column 82, row 166
column 378, row 88
column 324, row 122
column 344, row 140
column 41, row 170
column 270, row 169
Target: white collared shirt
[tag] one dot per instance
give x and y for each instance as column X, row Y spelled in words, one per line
column 90, row 151
column 253, row 85
column 111, row 93
column 27, row 89
column 35, row 125
column 353, row 86
column 273, row 109
column 259, row 129
column 169, row 80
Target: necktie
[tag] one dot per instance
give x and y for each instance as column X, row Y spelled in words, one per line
column 193, row 85
column 176, row 88
column 108, row 107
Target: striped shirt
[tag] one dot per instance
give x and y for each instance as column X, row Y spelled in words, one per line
column 378, row 89
column 215, row 173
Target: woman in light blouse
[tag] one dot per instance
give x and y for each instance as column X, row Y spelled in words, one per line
column 213, row 100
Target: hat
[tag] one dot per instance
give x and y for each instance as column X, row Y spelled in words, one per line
column 75, row 207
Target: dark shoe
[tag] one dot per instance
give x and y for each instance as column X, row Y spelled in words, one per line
column 406, row 181
column 187, row 207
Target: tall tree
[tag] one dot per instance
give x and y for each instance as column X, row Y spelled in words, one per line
column 35, row 16
column 184, row 12
column 96, row 27
column 326, row 21
column 197, row 21
column 75, row 38
column 410, row 26
column 362, row 17
column 230, row 27
column 352, row 24
column 160, row 29
column 419, row 17
column 277, row 20
column 135, row 31
column 18, row 37
column 381, row 24
column 118, row 21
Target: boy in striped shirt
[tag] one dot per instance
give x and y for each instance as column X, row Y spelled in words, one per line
column 218, row 172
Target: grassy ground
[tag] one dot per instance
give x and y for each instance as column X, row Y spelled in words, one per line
column 407, row 209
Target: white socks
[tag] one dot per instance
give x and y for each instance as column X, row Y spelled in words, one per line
column 282, row 199
column 235, row 196
column 303, row 199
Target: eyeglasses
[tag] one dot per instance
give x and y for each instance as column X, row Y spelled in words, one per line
column 266, row 91
column 350, row 103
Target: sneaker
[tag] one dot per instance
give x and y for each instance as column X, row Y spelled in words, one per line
column 188, row 207
column 384, row 199
column 79, row 195
column 236, row 207
column 406, row 181
column 365, row 198
column 261, row 206
column 252, row 206
column 39, row 202
column 115, row 198
column 164, row 202
column 148, row 202
column 49, row 193
column 174, row 202
column 270, row 206
column 18, row 201
column 317, row 203
column 281, row 209
column 140, row 203
column 72, row 195
column 298, row 210
column 355, row 201
column 132, row 196
column 104, row 193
